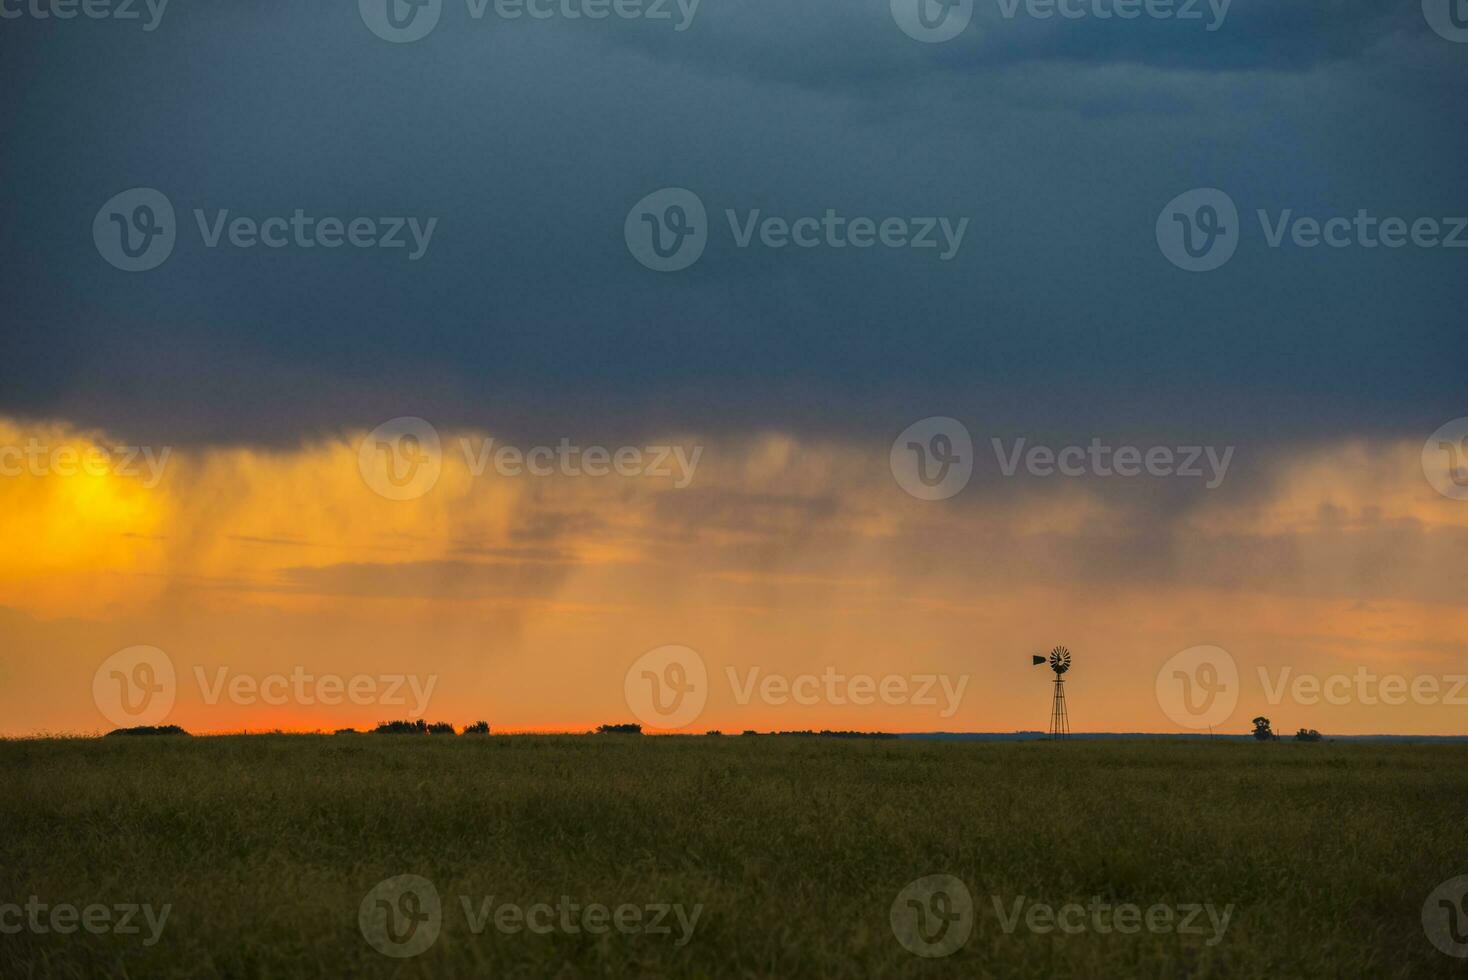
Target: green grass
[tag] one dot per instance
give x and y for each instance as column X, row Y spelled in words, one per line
column 265, row 846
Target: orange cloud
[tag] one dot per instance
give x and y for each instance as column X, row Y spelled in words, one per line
column 528, row 597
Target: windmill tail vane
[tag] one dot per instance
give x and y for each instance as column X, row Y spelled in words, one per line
column 1059, row 660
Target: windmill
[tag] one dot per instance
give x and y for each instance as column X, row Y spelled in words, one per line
column 1059, row 660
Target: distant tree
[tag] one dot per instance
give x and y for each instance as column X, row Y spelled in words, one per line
column 148, row 730
column 478, row 728
column 714, row 731
column 441, row 728
column 1307, row 735
column 418, row 727
column 1262, row 731
column 749, row 731
column 346, row 731
column 627, row 729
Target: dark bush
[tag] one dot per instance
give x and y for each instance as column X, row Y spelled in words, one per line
column 419, row 727
column 627, row 729
column 148, row 730
column 478, row 728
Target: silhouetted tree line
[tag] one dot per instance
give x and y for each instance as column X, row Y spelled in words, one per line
column 1264, row 733
column 421, row 727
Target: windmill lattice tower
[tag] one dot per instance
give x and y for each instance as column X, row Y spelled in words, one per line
column 1059, row 660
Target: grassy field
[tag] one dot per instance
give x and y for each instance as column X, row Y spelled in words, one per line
column 266, row 847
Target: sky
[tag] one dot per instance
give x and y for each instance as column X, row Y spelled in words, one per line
column 270, row 464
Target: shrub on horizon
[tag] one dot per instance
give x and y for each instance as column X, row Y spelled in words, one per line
column 625, row 729
column 148, row 730
column 418, row 727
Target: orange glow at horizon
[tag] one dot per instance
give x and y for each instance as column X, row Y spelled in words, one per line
column 527, row 598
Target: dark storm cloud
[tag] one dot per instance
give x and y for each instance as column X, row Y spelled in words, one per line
column 851, row 47
column 529, row 142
